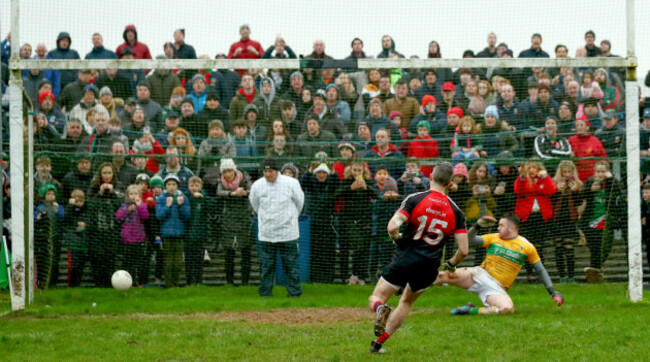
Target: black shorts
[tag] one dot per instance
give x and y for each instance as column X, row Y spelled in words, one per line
column 412, row 269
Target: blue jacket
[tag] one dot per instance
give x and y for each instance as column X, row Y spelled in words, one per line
column 199, row 101
column 172, row 219
column 101, row 53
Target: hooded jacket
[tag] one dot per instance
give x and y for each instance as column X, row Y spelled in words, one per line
column 268, row 105
column 67, row 76
column 385, row 52
column 140, row 50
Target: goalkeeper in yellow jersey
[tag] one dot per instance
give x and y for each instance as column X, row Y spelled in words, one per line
column 507, row 252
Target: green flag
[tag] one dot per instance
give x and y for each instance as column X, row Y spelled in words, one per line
column 4, row 277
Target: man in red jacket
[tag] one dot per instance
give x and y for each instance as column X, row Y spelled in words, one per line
column 245, row 48
column 130, row 35
column 584, row 144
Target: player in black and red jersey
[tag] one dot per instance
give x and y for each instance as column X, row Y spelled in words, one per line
column 432, row 218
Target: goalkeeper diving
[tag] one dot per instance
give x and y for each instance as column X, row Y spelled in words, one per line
column 507, row 252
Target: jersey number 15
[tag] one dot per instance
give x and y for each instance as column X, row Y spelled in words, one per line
column 431, row 231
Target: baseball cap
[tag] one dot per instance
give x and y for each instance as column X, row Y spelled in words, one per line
column 448, row 86
column 270, row 164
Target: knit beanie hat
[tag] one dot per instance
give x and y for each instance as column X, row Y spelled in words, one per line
column 390, row 184
column 227, row 164
column 429, row 98
column 491, row 111
column 461, row 169
column 322, row 167
column 290, row 166
column 156, row 181
column 455, row 110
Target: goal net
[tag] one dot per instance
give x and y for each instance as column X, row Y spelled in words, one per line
column 145, row 152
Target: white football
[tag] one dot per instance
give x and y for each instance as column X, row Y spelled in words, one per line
column 121, row 280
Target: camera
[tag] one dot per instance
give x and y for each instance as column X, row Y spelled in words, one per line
column 481, row 189
column 411, row 174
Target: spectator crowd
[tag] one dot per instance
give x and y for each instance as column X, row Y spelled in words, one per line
column 141, row 165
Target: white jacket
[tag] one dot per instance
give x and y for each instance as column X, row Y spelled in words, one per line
column 278, row 206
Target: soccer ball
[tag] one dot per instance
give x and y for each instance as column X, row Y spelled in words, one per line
column 121, row 280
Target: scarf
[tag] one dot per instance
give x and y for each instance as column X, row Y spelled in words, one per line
column 234, row 184
column 249, row 97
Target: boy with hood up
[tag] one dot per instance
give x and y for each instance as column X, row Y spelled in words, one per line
column 268, row 104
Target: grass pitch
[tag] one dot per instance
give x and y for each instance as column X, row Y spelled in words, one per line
column 329, row 322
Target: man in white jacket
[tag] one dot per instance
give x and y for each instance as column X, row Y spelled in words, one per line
column 277, row 200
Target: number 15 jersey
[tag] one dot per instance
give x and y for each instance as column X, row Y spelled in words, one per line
column 432, row 219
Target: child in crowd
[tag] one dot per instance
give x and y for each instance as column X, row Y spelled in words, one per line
column 459, row 192
column 381, row 174
column 289, row 169
column 504, row 180
column 42, row 177
column 346, row 151
column 319, row 186
column 382, row 246
column 132, row 215
column 423, row 146
column 480, row 202
column 155, row 241
column 195, row 244
column 47, row 244
column 357, row 190
column 75, row 222
column 565, row 217
column 236, row 218
column 244, row 145
column 173, row 211
column 412, row 180
column 466, row 143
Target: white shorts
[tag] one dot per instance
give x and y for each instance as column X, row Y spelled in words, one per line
column 484, row 284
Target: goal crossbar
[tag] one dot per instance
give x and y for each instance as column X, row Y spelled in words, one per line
column 16, row 63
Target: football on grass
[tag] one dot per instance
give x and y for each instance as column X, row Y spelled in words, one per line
column 121, row 280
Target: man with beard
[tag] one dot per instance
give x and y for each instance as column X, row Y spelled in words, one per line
column 406, row 105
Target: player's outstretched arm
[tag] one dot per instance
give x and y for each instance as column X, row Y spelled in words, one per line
column 483, row 222
column 546, row 279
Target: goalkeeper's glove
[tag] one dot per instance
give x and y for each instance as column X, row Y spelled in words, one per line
column 558, row 298
column 484, row 222
column 448, row 266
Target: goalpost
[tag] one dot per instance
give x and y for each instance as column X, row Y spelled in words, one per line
column 22, row 156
